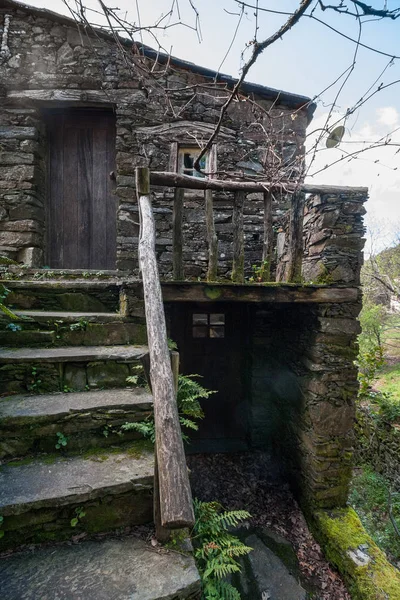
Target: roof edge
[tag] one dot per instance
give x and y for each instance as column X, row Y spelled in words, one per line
column 280, row 96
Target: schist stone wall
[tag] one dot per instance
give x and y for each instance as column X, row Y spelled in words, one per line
column 50, row 63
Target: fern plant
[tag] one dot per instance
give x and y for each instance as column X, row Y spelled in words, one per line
column 216, row 550
column 188, row 399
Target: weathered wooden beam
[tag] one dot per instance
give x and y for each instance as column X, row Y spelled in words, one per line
column 163, row 534
column 260, row 293
column 177, row 234
column 238, row 238
column 295, row 243
column 176, row 505
column 268, row 241
column 163, row 178
column 212, row 237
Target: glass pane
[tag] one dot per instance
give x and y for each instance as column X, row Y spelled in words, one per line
column 200, row 331
column 217, row 319
column 217, row 331
column 188, row 160
column 200, row 319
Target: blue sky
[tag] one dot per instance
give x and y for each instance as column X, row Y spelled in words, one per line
column 308, row 59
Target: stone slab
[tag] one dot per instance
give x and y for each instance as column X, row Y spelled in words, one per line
column 73, row 354
column 69, row 317
column 269, row 574
column 72, row 480
column 112, row 569
column 61, row 404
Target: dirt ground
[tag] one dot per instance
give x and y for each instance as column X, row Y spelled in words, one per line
column 247, row 481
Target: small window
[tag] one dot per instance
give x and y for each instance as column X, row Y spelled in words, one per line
column 186, row 159
column 208, row 325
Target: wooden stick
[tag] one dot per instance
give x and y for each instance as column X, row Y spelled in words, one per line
column 295, row 244
column 268, row 243
column 238, row 238
column 177, row 234
column 176, row 505
column 212, row 238
column 164, row 178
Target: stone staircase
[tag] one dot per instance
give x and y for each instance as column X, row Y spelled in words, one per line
column 67, row 470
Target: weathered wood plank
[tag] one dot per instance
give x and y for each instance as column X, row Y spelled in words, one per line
column 196, row 183
column 282, row 293
column 268, row 241
column 212, row 237
column 238, row 238
column 295, row 244
column 175, row 494
column 177, row 234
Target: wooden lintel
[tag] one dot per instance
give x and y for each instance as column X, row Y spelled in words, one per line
column 198, row 183
column 282, row 293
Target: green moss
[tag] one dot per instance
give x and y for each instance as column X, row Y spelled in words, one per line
column 341, row 532
column 324, row 277
column 179, row 540
column 212, row 293
column 134, row 449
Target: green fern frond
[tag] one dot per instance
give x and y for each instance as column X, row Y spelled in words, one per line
column 188, row 423
column 233, row 517
column 220, row 590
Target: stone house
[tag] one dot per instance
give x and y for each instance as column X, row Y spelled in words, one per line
column 78, row 114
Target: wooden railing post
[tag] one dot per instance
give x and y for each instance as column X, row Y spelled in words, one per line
column 295, row 243
column 268, row 242
column 238, row 237
column 176, row 506
column 177, row 234
column 212, row 237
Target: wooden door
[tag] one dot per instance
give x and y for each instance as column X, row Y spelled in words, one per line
column 81, row 216
column 211, row 342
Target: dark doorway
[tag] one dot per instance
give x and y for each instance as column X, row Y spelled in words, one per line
column 211, row 340
column 81, row 216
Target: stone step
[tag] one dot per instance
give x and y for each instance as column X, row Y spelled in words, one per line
column 119, row 569
column 75, row 368
column 29, row 424
column 105, row 489
column 60, row 328
column 65, row 295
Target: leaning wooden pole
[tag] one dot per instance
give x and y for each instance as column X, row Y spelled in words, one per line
column 176, row 507
column 238, row 238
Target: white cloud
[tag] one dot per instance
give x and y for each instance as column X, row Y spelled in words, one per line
column 388, row 115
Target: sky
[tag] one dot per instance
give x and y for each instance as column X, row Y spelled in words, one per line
column 306, row 60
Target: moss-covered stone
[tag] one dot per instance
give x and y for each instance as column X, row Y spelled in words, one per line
column 364, row 567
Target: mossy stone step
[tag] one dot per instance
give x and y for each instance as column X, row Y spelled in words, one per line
column 40, row 497
column 29, row 424
column 122, row 569
column 73, row 368
column 42, row 332
column 84, row 296
column 45, row 316
column 75, row 354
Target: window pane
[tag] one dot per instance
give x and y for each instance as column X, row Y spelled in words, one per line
column 200, row 319
column 200, row 331
column 188, row 160
column 217, row 331
column 217, row 319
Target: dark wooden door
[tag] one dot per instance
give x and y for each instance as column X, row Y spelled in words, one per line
column 81, row 223
column 211, row 342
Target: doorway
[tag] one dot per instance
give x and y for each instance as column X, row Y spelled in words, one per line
column 81, row 216
column 211, row 341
